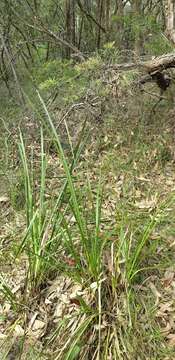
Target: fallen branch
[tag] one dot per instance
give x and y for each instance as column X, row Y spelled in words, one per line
column 159, row 63
column 155, row 70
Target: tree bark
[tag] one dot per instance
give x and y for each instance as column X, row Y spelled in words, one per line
column 70, row 24
column 99, row 16
column 107, row 18
column 119, row 12
column 136, row 9
column 170, row 19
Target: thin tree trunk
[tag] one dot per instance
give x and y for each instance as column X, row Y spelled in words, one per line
column 10, row 60
column 80, row 32
column 70, row 24
column 120, row 24
column 99, row 15
column 136, row 8
column 170, row 19
column 47, row 51
column 107, row 18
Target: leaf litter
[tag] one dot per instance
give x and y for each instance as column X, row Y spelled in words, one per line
column 136, row 189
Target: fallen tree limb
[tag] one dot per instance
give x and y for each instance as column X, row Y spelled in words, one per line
column 155, row 70
column 159, row 63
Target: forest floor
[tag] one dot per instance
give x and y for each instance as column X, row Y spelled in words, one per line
column 133, row 151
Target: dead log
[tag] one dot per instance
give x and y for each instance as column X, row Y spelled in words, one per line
column 155, row 70
column 162, row 79
column 159, row 63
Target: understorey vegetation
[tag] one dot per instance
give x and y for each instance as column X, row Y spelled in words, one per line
column 87, row 180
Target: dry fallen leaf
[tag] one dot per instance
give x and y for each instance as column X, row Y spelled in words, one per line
column 32, row 320
column 171, row 340
column 2, row 336
column 59, row 311
column 69, row 261
column 168, row 278
column 75, row 290
column 38, row 325
column 4, row 199
column 19, row 331
column 165, row 309
column 75, row 301
column 146, row 204
column 38, row 329
column 142, row 178
column 155, row 292
column 165, row 331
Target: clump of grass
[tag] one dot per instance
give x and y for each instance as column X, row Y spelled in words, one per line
column 107, row 322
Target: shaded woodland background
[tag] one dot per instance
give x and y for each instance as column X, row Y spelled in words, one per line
column 38, row 32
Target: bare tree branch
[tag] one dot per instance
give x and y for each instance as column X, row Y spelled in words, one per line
column 90, row 16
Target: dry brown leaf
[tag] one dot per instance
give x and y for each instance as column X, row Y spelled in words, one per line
column 76, row 290
column 165, row 309
column 146, row 204
column 142, row 178
column 48, row 302
column 165, row 331
column 19, row 331
column 6, row 308
column 69, row 261
column 32, row 320
column 38, row 325
column 38, row 329
column 59, row 310
column 75, row 301
column 4, row 199
column 106, row 139
column 168, row 278
column 171, row 340
column 155, row 292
